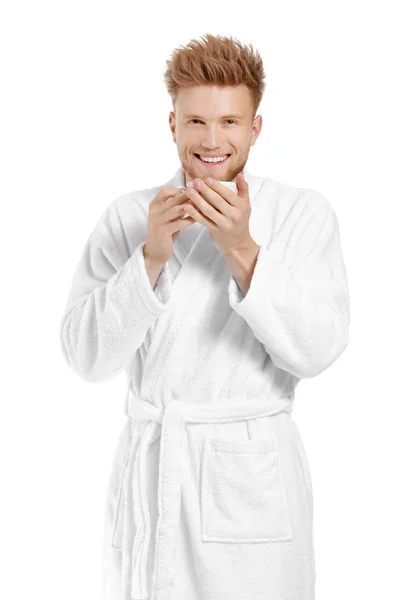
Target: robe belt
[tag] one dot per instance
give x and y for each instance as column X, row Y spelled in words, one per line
column 172, row 419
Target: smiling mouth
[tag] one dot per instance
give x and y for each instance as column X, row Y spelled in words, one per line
column 212, row 164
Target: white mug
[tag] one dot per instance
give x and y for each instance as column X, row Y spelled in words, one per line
column 229, row 184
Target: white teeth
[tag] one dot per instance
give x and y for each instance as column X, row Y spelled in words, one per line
column 217, row 159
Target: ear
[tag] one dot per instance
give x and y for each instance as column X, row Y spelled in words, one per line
column 171, row 121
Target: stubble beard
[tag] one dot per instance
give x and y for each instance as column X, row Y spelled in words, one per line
column 228, row 174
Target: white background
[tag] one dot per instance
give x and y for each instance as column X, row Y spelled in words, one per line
column 84, row 119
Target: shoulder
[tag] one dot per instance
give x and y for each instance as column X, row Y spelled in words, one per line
column 136, row 202
column 122, row 225
column 289, row 195
column 286, row 211
column 297, row 203
column 129, row 207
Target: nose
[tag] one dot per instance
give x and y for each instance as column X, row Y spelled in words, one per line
column 213, row 139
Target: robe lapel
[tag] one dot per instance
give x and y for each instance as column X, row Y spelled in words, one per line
column 203, row 261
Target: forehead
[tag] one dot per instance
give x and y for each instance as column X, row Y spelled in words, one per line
column 211, row 101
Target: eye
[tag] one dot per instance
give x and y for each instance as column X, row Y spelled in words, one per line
column 198, row 120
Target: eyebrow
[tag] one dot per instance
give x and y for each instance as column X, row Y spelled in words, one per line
column 202, row 118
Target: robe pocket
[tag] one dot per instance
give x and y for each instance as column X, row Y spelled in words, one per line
column 243, row 497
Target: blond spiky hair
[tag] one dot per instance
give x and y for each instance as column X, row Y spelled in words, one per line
column 216, row 60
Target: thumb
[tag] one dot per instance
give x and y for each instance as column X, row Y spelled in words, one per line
column 241, row 184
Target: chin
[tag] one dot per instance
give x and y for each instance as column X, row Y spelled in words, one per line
column 219, row 173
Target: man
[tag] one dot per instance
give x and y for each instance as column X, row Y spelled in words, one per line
column 215, row 318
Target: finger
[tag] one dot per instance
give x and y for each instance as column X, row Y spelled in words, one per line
column 207, row 210
column 179, row 224
column 165, row 192
column 168, row 191
column 242, row 185
column 172, row 213
column 200, row 217
column 214, row 204
column 174, row 201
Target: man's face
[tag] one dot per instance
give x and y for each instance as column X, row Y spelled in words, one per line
column 214, row 120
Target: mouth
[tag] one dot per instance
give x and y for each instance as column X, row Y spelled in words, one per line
column 212, row 164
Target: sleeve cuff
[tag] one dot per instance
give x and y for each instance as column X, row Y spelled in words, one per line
column 267, row 268
column 156, row 300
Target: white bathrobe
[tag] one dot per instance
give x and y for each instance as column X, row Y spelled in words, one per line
column 210, row 494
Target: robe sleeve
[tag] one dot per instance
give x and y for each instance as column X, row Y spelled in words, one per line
column 111, row 304
column 298, row 302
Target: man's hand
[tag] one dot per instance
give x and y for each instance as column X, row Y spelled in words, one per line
column 165, row 221
column 223, row 212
